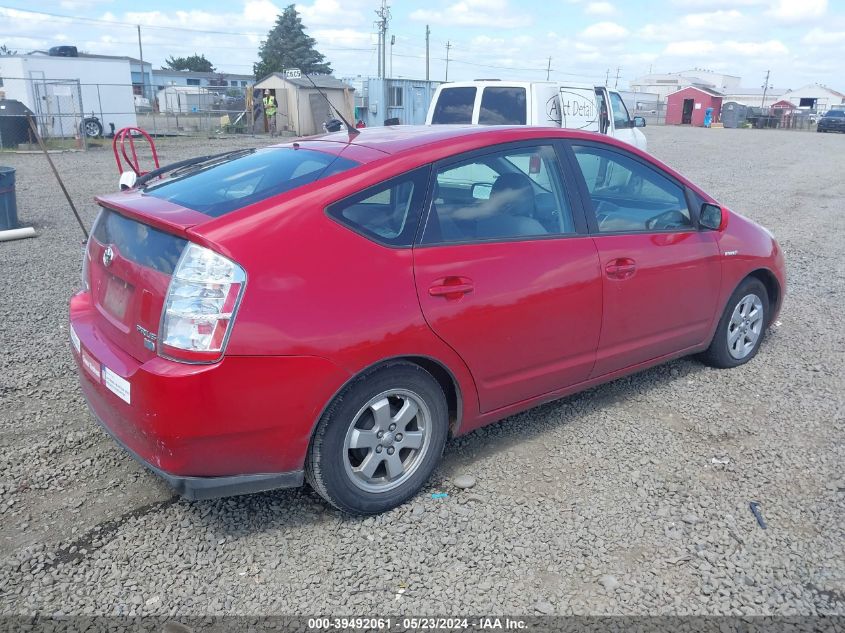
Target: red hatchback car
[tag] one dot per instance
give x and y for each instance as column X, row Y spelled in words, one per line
column 334, row 308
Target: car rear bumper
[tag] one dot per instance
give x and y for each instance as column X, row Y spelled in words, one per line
column 240, row 425
column 198, row 488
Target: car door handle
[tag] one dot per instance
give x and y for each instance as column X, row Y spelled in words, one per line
column 621, row 268
column 451, row 287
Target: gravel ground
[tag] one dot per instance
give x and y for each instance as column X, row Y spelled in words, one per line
column 631, row 498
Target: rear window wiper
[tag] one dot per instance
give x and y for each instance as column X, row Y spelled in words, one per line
column 189, row 165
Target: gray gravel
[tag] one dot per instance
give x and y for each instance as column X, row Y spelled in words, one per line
column 631, row 498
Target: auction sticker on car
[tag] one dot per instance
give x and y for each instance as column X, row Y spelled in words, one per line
column 117, row 385
column 91, row 365
column 75, row 340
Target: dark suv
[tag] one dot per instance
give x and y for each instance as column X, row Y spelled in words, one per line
column 832, row 121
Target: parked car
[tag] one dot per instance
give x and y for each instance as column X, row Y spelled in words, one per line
column 334, row 308
column 832, row 121
column 542, row 103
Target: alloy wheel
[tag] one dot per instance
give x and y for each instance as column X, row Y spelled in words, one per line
column 745, row 326
column 387, row 440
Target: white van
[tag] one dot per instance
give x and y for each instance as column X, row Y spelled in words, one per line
column 543, row 103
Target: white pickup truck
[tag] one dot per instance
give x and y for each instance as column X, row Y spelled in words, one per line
column 543, row 103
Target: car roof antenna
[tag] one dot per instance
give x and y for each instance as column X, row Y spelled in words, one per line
column 353, row 132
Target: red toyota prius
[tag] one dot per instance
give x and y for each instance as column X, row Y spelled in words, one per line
column 333, row 309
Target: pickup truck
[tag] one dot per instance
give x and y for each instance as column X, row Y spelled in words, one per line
column 542, row 103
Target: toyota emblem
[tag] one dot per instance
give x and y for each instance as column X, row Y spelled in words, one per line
column 108, row 256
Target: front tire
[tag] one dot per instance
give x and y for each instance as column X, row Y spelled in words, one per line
column 379, row 440
column 741, row 327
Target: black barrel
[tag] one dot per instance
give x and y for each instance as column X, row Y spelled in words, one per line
column 8, row 203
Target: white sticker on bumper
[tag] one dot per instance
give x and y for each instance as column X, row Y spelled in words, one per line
column 117, row 385
column 75, row 340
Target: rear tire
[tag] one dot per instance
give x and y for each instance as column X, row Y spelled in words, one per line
column 379, row 440
column 741, row 327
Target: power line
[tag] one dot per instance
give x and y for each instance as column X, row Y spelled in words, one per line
column 71, row 18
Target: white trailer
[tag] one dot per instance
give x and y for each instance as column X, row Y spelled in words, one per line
column 63, row 90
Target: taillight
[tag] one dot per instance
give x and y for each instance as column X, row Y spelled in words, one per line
column 86, row 262
column 200, row 306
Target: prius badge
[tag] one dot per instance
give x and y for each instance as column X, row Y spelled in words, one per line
column 149, row 338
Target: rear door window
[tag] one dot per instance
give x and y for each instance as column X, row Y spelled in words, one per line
column 223, row 187
column 503, row 106
column 454, row 105
column 510, row 194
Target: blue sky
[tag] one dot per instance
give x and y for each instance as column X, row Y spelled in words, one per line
column 800, row 41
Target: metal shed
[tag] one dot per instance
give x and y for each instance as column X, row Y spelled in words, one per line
column 688, row 105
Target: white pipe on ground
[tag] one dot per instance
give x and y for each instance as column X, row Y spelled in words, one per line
column 17, row 234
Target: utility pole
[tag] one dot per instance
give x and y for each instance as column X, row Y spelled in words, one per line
column 606, row 77
column 448, row 46
column 616, row 83
column 143, row 74
column 427, row 34
column 548, row 68
column 765, row 90
column 383, row 14
column 392, row 42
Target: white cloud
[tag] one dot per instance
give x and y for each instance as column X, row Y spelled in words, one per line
column 605, row 31
column 599, row 8
column 700, row 48
column 821, row 37
column 329, row 12
column 731, row 20
column 794, row 11
column 486, row 13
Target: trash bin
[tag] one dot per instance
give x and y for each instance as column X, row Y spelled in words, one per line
column 8, row 204
column 14, row 126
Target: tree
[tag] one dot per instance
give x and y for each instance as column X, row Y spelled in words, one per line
column 287, row 46
column 4, row 50
column 195, row 63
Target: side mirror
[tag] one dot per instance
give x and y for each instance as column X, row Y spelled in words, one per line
column 481, row 191
column 639, row 121
column 710, row 216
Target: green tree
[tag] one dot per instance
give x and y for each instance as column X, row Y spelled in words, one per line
column 288, row 46
column 4, row 50
column 195, row 63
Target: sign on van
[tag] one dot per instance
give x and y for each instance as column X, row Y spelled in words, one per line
column 578, row 109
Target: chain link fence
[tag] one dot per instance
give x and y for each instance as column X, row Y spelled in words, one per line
column 72, row 115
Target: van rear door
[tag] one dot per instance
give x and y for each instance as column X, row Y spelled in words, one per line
column 578, row 108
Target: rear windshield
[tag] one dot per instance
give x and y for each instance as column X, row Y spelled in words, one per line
column 138, row 242
column 224, row 187
column 454, row 105
column 836, row 113
column 503, row 106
